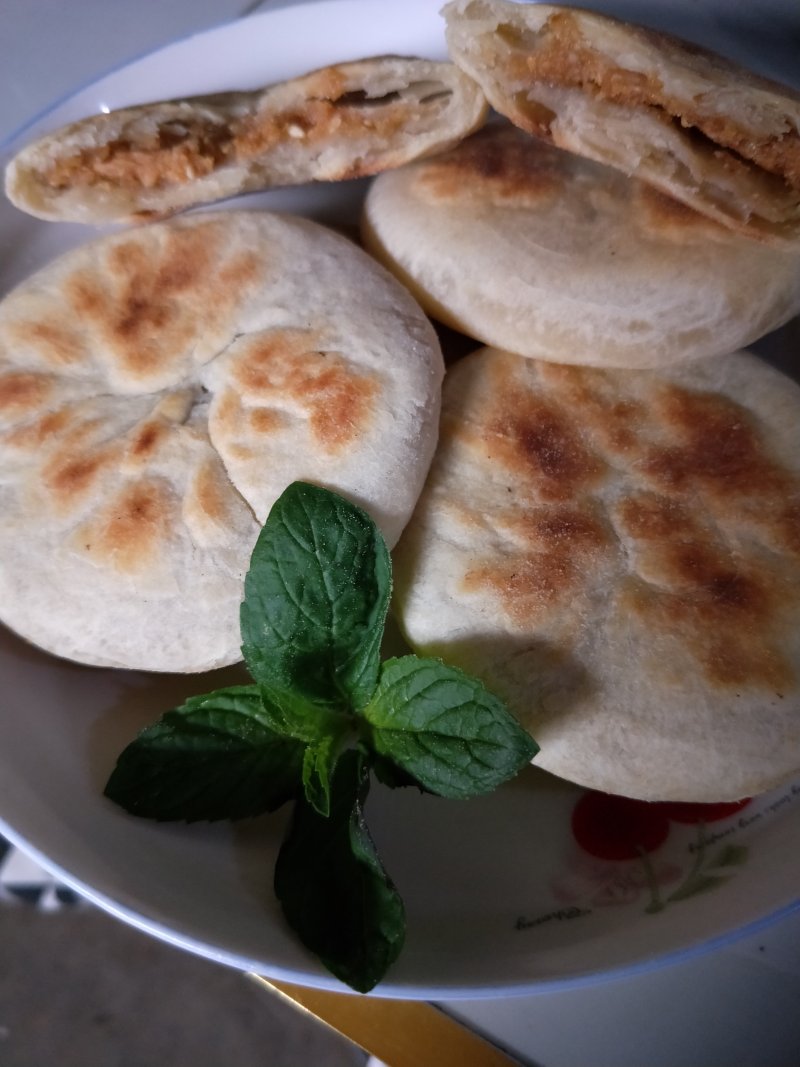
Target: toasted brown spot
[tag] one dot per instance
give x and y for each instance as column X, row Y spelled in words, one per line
column 266, row 420
column 55, row 342
column 622, row 438
column 548, row 567
column 236, row 450
column 284, row 365
column 239, row 271
column 710, row 486
column 539, row 438
column 713, row 625
column 147, row 440
column 534, row 437
column 229, row 407
column 22, row 392
column 158, row 297
column 501, row 165
column 787, row 526
column 210, row 492
column 87, row 294
column 723, row 609
column 614, row 422
column 135, row 526
column 35, row 435
column 720, row 450
column 649, row 517
column 68, row 480
column 149, row 280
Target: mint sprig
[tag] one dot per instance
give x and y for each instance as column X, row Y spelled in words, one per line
column 444, row 728
column 315, row 600
column 333, row 888
column 215, row 757
column 322, row 713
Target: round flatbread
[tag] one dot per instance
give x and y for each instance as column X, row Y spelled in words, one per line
column 617, row 554
column 159, row 389
column 539, row 251
column 343, row 121
column 697, row 126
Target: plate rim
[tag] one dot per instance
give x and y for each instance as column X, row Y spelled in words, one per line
column 393, row 990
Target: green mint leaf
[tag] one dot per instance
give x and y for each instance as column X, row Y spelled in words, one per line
column 315, row 599
column 215, row 757
column 293, row 715
column 335, row 894
column 389, row 774
column 445, row 728
column 319, row 761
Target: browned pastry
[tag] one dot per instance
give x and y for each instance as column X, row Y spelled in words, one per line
column 617, row 553
column 697, row 126
column 159, row 389
column 342, row 121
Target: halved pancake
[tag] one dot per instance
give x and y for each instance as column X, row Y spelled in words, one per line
column 550, row 255
column 158, row 391
column 618, row 555
column 342, row 121
column 695, row 125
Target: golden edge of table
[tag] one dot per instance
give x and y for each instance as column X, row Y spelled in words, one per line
column 400, row 1033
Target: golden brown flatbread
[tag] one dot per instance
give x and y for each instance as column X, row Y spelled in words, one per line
column 537, row 250
column 159, row 389
column 617, row 553
column 700, row 128
column 343, row 121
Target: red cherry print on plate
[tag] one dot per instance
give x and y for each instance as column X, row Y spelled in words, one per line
column 694, row 813
column 617, row 828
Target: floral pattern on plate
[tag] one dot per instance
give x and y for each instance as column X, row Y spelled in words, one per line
column 644, row 854
column 621, row 840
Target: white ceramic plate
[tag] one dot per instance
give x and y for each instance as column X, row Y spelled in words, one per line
column 502, row 897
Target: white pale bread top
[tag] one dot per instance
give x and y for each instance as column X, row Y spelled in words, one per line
column 159, row 389
column 545, row 253
column 617, row 554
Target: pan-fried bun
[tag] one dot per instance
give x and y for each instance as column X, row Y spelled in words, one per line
column 618, row 555
column 342, row 121
column 697, row 126
column 158, row 391
column 539, row 251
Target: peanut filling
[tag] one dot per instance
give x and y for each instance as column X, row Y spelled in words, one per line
column 559, row 56
column 181, row 150
column 177, row 152
column 318, row 119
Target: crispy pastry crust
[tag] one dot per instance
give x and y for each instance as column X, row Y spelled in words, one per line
column 159, row 389
column 617, row 553
column 695, row 125
column 343, row 121
column 524, row 246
